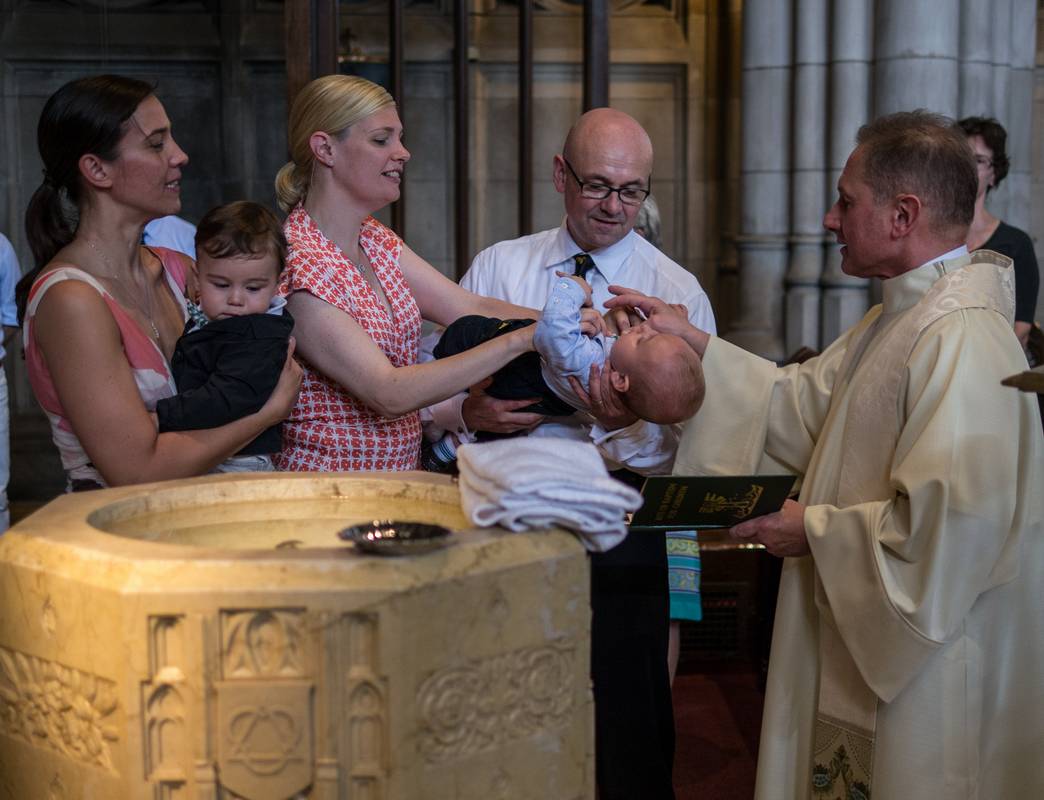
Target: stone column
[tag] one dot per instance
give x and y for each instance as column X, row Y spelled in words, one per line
column 915, row 48
column 999, row 38
column 1019, row 119
column 851, row 51
column 976, row 62
column 764, row 176
column 807, row 190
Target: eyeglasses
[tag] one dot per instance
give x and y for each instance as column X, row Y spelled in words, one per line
column 629, row 195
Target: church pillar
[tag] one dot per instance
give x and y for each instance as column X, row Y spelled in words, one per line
column 977, row 58
column 955, row 57
column 808, row 181
column 764, row 176
column 1017, row 187
column 852, row 39
column 999, row 36
column 916, row 48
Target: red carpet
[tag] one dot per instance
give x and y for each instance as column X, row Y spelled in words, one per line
column 717, row 717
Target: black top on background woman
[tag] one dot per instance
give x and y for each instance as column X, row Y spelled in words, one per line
column 988, row 140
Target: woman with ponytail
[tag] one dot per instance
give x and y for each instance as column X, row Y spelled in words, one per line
column 358, row 293
column 101, row 312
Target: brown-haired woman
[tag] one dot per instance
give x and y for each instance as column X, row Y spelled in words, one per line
column 102, row 312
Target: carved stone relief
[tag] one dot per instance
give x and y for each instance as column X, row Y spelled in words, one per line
column 264, row 735
column 478, row 706
column 265, row 643
column 59, row 708
column 165, row 728
column 367, row 709
column 164, row 704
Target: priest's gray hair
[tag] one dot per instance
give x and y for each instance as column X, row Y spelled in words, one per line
column 924, row 154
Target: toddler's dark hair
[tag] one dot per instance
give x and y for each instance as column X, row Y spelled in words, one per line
column 242, row 228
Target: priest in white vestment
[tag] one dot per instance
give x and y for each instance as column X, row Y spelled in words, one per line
column 908, row 651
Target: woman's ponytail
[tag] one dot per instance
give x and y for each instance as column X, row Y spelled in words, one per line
column 48, row 231
column 290, row 189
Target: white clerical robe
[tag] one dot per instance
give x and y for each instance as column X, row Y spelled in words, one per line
column 918, row 618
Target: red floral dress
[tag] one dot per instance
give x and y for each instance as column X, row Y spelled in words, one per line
column 329, row 430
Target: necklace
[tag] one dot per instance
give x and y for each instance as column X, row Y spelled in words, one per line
column 144, row 305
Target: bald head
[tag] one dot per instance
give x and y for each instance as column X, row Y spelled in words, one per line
column 610, row 148
column 606, row 133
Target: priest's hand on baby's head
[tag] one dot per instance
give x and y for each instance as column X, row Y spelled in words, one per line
column 643, row 305
column 617, row 320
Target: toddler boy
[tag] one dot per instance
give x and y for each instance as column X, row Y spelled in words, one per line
column 228, row 360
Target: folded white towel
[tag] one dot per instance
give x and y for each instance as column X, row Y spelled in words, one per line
column 531, row 482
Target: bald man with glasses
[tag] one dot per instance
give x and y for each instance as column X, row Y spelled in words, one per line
column 604, row 174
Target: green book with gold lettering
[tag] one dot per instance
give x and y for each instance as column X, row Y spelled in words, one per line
column 678, row 503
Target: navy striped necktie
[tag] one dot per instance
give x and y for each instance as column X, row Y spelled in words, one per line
column 584, row 264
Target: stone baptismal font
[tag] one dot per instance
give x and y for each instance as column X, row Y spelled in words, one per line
column 214, row 638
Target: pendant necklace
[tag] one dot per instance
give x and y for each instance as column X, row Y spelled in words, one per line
column 143, row 306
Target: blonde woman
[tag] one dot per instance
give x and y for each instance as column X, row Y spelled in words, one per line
column 358, row 293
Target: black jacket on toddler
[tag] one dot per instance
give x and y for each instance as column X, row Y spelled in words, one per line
column 227, row 370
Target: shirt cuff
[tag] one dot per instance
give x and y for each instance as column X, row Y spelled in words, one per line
column 448, row 417
column 599, row 434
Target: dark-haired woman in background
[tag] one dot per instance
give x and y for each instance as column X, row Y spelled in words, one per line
column 101, row 312
column 988, row 140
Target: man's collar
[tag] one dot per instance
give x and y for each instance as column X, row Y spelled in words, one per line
column 608, row 260
column 903, row 291
column 962, row 250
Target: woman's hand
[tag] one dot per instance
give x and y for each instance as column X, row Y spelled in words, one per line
column 288, row 387
column 521, row 338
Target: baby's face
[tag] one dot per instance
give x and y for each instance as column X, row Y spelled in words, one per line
column 238, row 285
column 636, row 347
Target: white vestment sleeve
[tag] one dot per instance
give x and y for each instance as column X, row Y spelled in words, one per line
column 899, row 575
column 757, row 418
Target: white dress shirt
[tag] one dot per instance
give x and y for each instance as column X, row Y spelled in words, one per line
column 522, row 271
column 172, row 232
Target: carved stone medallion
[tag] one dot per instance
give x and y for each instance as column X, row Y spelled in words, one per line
column 480, row 705
column 265, row 737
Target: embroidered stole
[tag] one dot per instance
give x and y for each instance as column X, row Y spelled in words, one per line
column 846, row 717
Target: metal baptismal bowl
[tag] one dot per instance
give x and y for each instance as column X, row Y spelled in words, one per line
column 391, row 538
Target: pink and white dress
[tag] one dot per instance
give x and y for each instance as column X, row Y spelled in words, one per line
column 330, row 430
column 148, row 364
